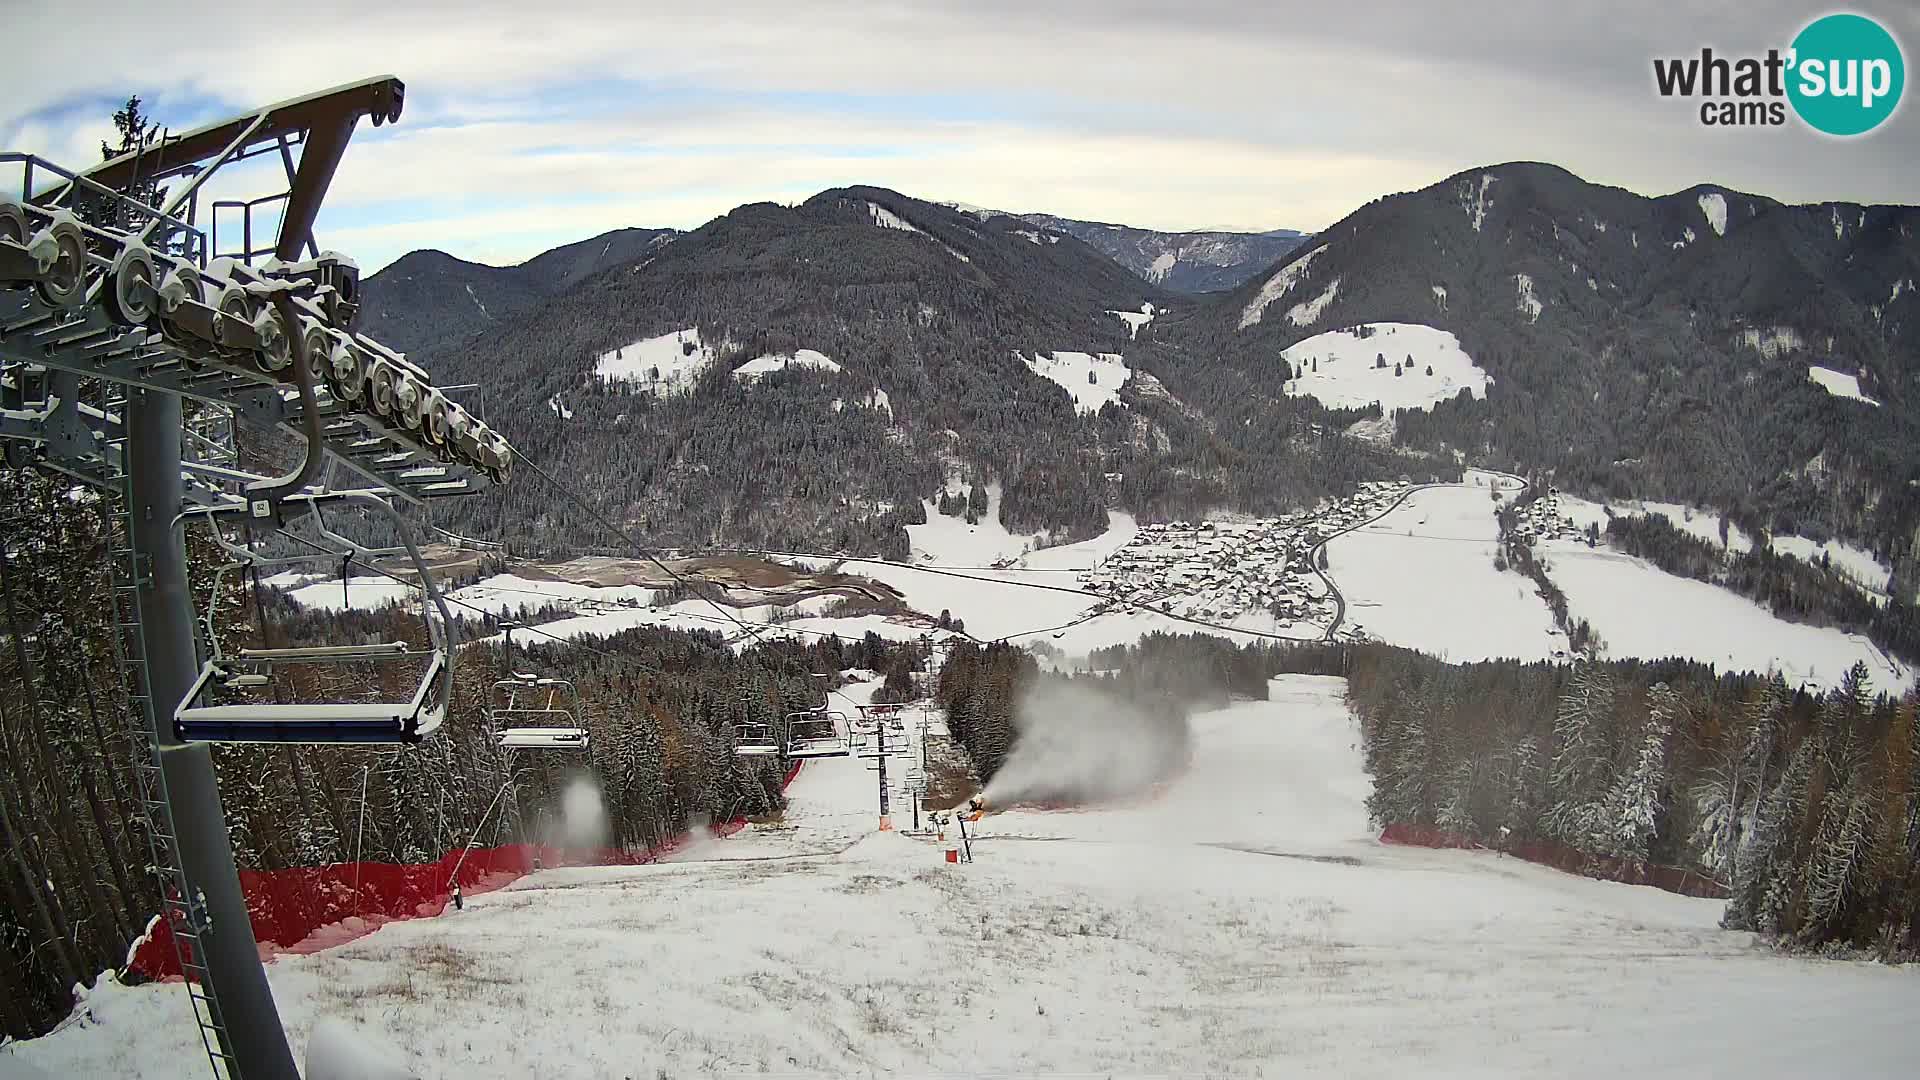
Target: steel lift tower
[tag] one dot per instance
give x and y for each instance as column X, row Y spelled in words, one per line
column 132, row 343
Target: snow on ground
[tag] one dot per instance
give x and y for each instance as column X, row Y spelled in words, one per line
column 1121, row 529
column 360, row 594
column 1697, row 522
column 1307, row 312
column 667, row 364
column 1243, row 923
column 1091, row 379
column 876, row 399
column 887, row 219
column 1527, row 302
column 765, row 365
column 504, row 594
column 559, row 407
column 1714, row 205
column 1135, row 319
column 1642, row 611
column 1276, row 287
column 1423, row 577
column 1855, row 563
column 951, row 541
column 1771, row 341
column 1347, row 377
column 1838, row 383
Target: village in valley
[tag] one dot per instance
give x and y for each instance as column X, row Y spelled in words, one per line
column 1544, row 519
column 1225, row 568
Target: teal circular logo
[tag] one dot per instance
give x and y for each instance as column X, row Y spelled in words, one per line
column 1846, row 74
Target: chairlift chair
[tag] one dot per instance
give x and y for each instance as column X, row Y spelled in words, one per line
column 549, row 725
column 756, row 738
column 200, row 719
column 816, row 734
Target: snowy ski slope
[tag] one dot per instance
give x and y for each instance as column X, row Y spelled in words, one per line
column 1243, row 923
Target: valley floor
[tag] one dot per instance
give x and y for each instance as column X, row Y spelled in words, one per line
column 1243, row 922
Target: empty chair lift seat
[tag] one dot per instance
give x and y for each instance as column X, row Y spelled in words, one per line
column 544, row 738
column 378, row 722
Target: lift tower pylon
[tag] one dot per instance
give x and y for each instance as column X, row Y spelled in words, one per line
column 114, row 312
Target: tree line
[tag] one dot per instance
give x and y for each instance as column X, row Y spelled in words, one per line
column 662, row 709
column 1802, row 805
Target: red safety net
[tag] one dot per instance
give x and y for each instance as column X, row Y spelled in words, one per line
column 1561, row 857
column 304, row 909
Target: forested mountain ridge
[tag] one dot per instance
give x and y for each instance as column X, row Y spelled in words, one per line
column 1658, row 347
column 1182, row 262
column 931, row 323
column 430, row 298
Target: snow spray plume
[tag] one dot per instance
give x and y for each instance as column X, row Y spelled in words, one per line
column 1078, row 744
column 584, row 817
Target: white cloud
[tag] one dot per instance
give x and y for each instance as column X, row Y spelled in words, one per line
column 1205, row 115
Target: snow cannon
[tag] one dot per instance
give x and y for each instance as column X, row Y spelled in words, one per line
column 976, row 807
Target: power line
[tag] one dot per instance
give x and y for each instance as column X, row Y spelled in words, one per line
column 1134, row 604
column 614, row 527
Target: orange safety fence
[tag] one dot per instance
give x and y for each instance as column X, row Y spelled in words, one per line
column 304, row 909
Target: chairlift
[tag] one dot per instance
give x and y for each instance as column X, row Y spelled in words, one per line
column 816, row 733
column 200, row 717
column 756, row 738
column 548, row 723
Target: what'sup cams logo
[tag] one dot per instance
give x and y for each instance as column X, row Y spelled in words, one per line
column 1843, row 75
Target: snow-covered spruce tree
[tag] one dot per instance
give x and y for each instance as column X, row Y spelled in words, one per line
column 1636, row 801
column 1839, row 860
column 1763, row 888
column 1581, row 761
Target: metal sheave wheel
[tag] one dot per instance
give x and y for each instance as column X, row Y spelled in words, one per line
column 380, row 388
column 276, row 347
column 409, row 403
column 14, row 227
column 439, row 420
column 182, row 284
column 319, row 351
column 346, row 375
column 233, row 301
column 130, row 296
column 64, row 283
column 13, row 222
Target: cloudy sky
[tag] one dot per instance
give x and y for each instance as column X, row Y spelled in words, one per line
column 529, row 125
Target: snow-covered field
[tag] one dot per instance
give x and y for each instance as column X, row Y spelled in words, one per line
column 767, row 365
column 1134, row 319
column 1244, row 923
column 667, row 364
column 1838, row 383
column 1423, row 577
column 1642, row 611
column 1091, row 379
column 951, row 541
column 1852, row 562
column 1702, row 524
column 1340, row 369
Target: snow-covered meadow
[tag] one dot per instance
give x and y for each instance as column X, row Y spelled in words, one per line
column 1389, row 365
column 1423, row 576
column 666, row 364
